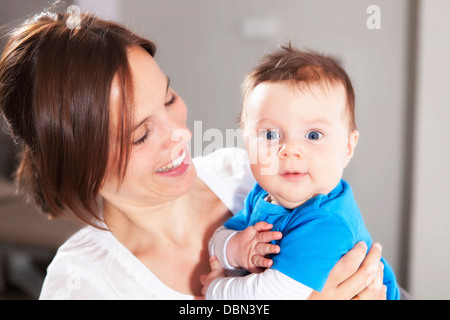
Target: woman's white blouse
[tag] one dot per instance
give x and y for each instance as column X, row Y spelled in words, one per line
column 93, row 264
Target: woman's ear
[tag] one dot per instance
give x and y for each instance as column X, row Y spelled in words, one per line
column 352, row 142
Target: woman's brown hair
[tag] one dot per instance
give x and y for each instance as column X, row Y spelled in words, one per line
column 55, row 83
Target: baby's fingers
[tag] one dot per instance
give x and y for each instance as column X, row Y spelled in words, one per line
column 268, row 236
column 264, row 249
column 260, row 264
column 262, row 226
column 259, row 259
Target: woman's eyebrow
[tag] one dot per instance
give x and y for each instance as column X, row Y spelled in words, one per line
column 146, row 118
column 168, row 84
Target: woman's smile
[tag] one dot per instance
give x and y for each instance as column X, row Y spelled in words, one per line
column 176, row 167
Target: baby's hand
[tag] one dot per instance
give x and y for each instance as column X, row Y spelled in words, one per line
column 248, row 249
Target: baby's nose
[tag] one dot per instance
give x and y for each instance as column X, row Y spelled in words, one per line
column 289, row 150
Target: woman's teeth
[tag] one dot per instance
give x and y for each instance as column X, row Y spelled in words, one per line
column 174, row 164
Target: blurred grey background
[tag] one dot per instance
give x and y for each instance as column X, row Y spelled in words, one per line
column 400, row 69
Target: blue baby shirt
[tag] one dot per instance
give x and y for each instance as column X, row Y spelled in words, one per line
column 315, row 234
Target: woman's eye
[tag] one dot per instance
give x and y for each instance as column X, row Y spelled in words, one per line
column 142, row 139
column 172, row 100
column 314, row 135
column 271, row 135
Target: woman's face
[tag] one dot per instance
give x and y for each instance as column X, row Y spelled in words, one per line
column 159, row 167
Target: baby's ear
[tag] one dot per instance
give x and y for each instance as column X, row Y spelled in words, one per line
column 352, row 142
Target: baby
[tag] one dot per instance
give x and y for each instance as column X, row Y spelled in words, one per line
column 300, row 133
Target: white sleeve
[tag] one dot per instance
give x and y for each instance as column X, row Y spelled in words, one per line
column 78, row 269
column 268, row 285
column 74, row 279
column 217, row 247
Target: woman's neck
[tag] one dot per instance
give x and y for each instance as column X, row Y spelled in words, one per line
column 165, row 222
column 137, row 226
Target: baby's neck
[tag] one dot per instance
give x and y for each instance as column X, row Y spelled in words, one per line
column 271, row 199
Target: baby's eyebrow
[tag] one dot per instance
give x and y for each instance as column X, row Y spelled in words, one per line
column 264, row 120
column 320, row 120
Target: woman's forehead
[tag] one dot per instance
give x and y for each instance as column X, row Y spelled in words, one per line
column 148, row 81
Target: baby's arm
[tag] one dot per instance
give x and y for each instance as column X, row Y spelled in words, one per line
column 270, row 284
column 246, row 249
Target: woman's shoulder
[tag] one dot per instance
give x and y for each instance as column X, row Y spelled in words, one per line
column 224, row 157
column 86, row 243
column 227, row 173
column 224, row 163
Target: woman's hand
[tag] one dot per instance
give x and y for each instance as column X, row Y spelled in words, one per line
column 216, row 273
column 355, row 276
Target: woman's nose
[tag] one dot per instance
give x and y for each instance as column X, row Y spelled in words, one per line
column 289, row 150
column 180, row 135
column 176, row 133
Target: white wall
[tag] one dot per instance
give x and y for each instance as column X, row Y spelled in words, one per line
column 430, row 236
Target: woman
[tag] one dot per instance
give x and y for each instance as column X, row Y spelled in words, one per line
column 104, row 139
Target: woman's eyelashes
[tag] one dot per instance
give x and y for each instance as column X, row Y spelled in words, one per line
column 172, row 100
column 142, row 139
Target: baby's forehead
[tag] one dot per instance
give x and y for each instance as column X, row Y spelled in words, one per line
column 334, row 89
column 275, row 97
column 330, row 89
column 282, row 91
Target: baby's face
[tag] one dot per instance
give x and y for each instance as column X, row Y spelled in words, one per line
column 298, row 141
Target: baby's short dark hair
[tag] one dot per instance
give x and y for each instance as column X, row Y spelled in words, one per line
column 301, row 68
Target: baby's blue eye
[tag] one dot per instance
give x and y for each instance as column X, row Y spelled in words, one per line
column 272, row 135
column 313, row 135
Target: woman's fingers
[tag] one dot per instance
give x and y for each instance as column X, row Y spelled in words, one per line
column 215, row 265
column 376, row 290
column 216, row 272
column 377, row 282
column 382, row 294
column 347, row 265
column 365, row 275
